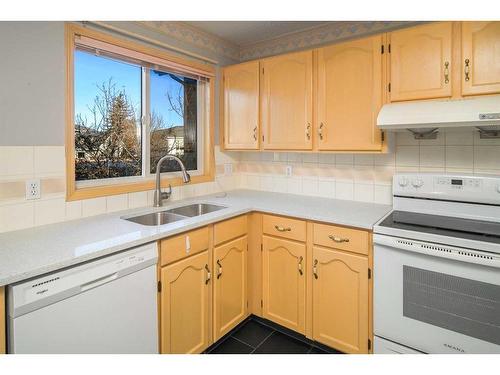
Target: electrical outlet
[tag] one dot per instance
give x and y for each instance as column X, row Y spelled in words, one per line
column 228, row 169
column 33, row 189
column 288, row 170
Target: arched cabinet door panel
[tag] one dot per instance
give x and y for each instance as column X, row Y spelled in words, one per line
column 185, row 305
column 230, row 286
column 340, row 300
column 284, row 282
column 480, row 57
column 420, row 62
column 349, row 95
column 241, row 106
column 287, row 101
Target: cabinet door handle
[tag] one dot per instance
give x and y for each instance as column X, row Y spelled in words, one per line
column 320, row 131
column 219, row 270
column 282, row 229
column 446, row 72
column 338, row 239
column 467, row 70
column 308, row 130
column 255, row 133
column 209, row 275
column 300, row 265
column 315, row 268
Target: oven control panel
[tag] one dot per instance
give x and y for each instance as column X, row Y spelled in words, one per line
column 472, row 188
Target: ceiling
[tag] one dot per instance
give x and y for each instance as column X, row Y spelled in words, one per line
column 243, row 33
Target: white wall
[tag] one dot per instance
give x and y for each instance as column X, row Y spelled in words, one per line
column 32, row 71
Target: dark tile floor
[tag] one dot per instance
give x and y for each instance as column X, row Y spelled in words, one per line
column 256, row 336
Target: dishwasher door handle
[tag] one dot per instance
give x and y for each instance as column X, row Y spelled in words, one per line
column 99, row 281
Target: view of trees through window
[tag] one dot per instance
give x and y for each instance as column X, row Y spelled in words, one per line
column 109, row 106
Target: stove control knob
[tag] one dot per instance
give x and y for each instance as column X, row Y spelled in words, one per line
column 417, row 183
column 403, row 182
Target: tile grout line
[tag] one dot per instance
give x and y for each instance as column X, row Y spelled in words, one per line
column 241, row 341
column 262, row 342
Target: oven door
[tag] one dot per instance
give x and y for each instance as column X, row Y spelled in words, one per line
column 428, row 298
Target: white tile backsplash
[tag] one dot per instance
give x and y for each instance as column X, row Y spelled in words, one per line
column 94, row 206
column 363, row 177
column 50, row 211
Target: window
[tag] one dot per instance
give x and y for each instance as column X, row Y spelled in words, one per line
column 130, row 106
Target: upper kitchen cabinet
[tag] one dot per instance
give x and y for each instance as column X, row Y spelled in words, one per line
column 349, row 95
column 287, row 101
column 241, row 106
column 420, row 62
column 480, row 58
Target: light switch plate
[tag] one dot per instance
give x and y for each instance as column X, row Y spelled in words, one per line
column 33, row 189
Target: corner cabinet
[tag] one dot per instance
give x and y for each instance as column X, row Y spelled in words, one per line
column 480, row 58
column 349, row 95
column 241, row 106
column 420, row 62
column 340, row 300
column 286, row 101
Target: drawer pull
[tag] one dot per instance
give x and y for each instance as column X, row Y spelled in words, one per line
column 300, row 265
column 315, row 269
column 282, row 229
column 209, row 275
column 338, row 239
column 219, row 270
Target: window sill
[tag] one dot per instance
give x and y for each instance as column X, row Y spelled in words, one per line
column 74, row 194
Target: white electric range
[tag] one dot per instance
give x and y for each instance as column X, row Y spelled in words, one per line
column 437, row 266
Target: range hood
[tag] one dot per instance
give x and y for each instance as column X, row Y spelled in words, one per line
column 425, row 118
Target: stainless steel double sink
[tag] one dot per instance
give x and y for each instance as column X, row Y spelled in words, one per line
column 174, row 214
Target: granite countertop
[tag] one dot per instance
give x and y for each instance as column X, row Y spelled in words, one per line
column 32, row 252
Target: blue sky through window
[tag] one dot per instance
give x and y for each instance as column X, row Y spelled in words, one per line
column 92, row 71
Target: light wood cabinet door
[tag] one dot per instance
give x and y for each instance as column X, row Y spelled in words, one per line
column 349, row 95
column 340, row 300
column 420, row 62
column 185, row 305
column 241, row 106
column 284, row 282
column 480, row 57
column 287, row 102
column 230, row 287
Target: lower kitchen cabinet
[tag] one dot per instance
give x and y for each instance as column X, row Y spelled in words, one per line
column 230, row 285
column 340, row 300
column 284, row 282
column 185, row 297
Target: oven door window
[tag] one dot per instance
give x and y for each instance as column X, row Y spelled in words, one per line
column 458, row 304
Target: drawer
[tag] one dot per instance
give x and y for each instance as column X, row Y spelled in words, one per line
column 229, row 229
column 353, row 240
column 285, row 227
column 183, row 245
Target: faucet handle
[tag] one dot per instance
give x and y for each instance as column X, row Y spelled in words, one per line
column 166, row 194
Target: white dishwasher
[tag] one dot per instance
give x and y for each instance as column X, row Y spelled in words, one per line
column 104, row 306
